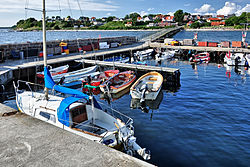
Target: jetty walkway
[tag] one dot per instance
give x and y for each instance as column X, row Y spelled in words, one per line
column 26, row 141
column 199, row 48
column 11, row 68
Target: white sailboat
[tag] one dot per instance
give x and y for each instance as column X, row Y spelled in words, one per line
column 78, row 113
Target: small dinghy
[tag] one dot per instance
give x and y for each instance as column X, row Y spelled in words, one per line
column 74, row 76
column 147, row 87
column 118, row 59
column 118, row 82
column 54, row 71
column 201, row 57
column 95, row 81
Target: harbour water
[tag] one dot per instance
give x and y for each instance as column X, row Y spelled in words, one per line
column 8, row 36
column 206, row 122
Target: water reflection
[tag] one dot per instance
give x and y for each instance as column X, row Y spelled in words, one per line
column 147, row 105
column 114, row 96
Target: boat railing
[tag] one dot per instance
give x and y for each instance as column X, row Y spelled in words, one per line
column 116, row 114
column 33, row 87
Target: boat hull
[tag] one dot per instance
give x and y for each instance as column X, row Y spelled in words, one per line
column 119, row 88
column 151, row 79
column 55, row 71
column 148, row 95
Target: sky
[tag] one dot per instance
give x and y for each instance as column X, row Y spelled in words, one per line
column 13, row 10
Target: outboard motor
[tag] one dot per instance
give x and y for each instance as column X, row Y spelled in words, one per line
column 89, row 79
column 143, row 90
column 237, row 60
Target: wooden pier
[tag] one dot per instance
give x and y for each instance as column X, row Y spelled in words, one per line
column 171, row 75
column 198, row 48
column 134, row 67
column 165, row 33
column 14, row 69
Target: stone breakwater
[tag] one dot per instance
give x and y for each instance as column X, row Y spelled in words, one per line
column 9, row 51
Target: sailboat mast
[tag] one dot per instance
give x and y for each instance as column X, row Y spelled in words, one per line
column 44, row 45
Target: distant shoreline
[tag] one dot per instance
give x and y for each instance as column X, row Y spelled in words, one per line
column 107, row 30
column 215, row 29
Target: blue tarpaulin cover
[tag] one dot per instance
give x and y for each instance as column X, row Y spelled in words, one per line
column 49, row 83
column 63, row 110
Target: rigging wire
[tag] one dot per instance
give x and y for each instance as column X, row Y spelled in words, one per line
column 79, row 7
column 70, row 10
column 26, row 7
column 59, row 6
column 71, row 14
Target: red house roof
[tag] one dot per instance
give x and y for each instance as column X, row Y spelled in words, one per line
column 214, row 19
column 217, row 23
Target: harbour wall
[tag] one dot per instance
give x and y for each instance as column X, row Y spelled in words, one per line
column 27, row 141
column 10, row 51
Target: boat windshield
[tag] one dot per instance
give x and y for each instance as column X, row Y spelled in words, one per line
column 78, row 114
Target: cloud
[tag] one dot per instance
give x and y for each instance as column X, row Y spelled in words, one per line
column 229, row 8
column 143, row 13
column 108, row 14
column 204, row 8
column 187, row 4
column 150, row 9
column 108, row 1
column 245, row 9
column 170, row 13
column 14, row 6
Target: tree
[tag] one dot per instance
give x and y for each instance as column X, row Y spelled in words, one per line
column 178, row 16
column 58, row 18
column 195, row 25
column 134, row 16
column 126, row 17
column 110, row 18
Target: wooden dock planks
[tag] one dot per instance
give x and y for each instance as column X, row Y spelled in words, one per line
column 199, row 48
column 130, row 66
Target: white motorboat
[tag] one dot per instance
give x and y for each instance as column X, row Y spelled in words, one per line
column 147, row 87
column 237, row 59
column 77, row 113
column 75, row 75
column 164, row 55
column 143, row 55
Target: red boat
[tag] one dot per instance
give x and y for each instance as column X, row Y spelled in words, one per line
column 201, row 57
column 118, row 82
column 97, row 80
column 54, row 71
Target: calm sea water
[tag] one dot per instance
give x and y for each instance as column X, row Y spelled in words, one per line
column 7, row 36
column 205, row 123
column 212, row 36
